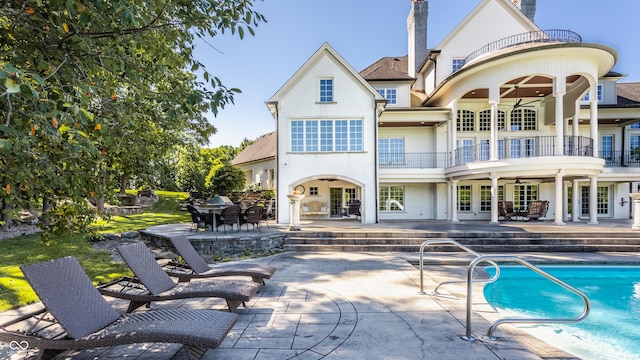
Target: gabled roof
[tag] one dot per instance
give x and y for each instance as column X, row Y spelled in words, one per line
column 388, row 68
column 478, row 11
column 264, row 148
column 324, row 50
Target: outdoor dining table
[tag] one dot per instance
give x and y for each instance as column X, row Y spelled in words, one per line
column 217, row 210
column 212, row 209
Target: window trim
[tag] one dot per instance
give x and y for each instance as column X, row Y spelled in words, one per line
column 385, row 92
column 325, row 135
column 331, row 91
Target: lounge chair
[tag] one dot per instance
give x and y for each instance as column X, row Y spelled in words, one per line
column 196, row 267
column 80, row 318
column 153, row 284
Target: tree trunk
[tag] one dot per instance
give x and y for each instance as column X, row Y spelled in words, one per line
column 123, row 183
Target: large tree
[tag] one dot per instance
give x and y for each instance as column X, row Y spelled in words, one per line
column 96, row 89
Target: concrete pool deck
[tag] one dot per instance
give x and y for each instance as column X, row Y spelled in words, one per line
column 356, row 305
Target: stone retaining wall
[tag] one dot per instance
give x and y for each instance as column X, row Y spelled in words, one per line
column 220, row 247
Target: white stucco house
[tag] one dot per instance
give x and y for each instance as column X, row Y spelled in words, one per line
column 499, row 110
column 258, row 161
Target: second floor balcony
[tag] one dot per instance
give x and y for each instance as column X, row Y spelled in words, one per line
column 517, row 148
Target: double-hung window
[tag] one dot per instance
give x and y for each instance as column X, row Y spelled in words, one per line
column 587, row 97
column 326, row 90
column 326, row 136
column 390, row 94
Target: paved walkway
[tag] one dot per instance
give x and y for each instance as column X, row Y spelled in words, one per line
column 342, row 305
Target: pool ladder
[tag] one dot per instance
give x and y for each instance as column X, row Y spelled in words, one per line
column 493, row 260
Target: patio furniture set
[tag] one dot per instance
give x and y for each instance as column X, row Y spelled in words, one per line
column 228, row 215
column 75, row 314
column 536, row 209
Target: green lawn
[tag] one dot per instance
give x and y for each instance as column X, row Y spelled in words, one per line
column 15, row 291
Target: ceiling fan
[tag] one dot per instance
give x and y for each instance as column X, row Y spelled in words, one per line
column 519, row 103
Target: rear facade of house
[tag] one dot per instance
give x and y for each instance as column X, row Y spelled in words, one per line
column 499, row 110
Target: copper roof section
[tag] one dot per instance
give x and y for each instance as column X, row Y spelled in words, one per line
column 264, row 148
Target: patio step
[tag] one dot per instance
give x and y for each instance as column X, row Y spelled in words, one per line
column 478, row 241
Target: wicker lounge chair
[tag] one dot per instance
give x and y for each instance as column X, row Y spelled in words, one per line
column 153, row 284
column 196, row 267
column 80, row 318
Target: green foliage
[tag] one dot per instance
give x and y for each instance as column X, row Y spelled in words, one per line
column 225, row 180
column 92, row 92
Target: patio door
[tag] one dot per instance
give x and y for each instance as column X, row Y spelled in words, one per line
column 603, row 201
column 523, row 194
column 335, row 201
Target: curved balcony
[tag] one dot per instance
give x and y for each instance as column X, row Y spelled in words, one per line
column 516, row 148
column 542, row 36
column 527, row 147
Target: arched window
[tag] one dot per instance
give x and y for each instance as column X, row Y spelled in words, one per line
column 484, row 119
column 523, row 119
column 466, row 120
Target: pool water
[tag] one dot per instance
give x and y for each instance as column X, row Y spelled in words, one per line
column 610, row 331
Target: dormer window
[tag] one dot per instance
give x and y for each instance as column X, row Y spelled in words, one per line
column 586, row 97
column 326, row 90
column 390, row 94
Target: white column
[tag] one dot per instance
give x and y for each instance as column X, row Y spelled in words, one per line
column 559, row 150
column 565, row 204
column 493, row 140
column 575, row 126
column 636, row 210
column 559, row 89
column 593, row 122
column 454, row 201
column 575, row 202
column 494, row 198
column 593, row 200
column 449, row 206
column 453, row 133
column 559, row 198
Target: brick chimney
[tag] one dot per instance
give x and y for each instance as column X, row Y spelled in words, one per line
column 417, row 31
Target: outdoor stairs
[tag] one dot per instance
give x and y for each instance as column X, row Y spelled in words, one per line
column 479, row 241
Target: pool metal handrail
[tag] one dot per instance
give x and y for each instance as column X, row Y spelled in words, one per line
column 497, row 258
column 457, row 244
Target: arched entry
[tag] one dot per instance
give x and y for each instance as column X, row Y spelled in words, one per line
column 328, row 196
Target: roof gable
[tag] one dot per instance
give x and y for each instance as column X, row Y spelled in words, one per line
column 324, row 51
column 485, row 15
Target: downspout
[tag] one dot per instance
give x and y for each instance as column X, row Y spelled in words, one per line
column 273, row 108
column 376, row 114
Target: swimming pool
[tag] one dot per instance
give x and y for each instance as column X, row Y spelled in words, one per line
column 612, row 329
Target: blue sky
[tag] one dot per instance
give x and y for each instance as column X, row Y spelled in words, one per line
column 365, row 31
